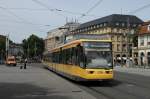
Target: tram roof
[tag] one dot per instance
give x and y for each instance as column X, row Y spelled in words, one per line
column 76, row 42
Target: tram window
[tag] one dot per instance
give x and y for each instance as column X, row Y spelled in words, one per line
column 64, row 57
column 80, row 56
column 68, row 56
column 60, row 56
column 74, row 56
column 53, row 57
column 57, row 57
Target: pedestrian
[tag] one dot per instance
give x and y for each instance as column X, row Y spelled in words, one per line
column 127, row 62
column 25, row 63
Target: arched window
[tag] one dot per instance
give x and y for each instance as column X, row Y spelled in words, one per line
column 142, row 54
column 148, row 54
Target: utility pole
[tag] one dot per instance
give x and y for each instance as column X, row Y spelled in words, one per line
column 127, row 42
column 7, row 45
column 128, row 33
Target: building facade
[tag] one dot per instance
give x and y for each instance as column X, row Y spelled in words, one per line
column 119, row 28
column 144, row 44
column 15, row 49
column 56, row 37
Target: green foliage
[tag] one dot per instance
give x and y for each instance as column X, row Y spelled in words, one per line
column 2, row 43
column 2, row 47
column 33, row 46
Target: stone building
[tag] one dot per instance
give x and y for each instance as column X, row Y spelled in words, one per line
column 144, row 44
column 119, row 28
column 15, row 49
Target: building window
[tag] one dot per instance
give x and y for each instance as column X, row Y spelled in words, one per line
column 112, row 46
column 108, row 30
column 112, row 38
column 124, row 47
column 104, row 31
column 105, row 24
column 132, row 31
column 148, row 40
column 148, row 43
column 142, row 41
column 97, row 26
column 101, row 25
column 118, row 38
column 134, row 25
column 118, row 47
column 117, row 24
column 123, row 24
column 124, row 38
column 91, row 28
column 139, row 25
column 120, row 31
column 115, row 30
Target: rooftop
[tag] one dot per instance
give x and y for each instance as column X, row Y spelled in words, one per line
column 145, row 28
column 111, row 19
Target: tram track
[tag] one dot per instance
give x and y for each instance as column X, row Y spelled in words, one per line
column 128, row 87
column 107, row 91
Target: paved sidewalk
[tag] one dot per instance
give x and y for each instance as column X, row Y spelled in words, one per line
column 37, row 83
column 138, row 71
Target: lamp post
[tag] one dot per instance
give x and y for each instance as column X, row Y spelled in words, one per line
column 7, row 45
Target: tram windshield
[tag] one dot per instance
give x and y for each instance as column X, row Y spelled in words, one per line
column 98, row 55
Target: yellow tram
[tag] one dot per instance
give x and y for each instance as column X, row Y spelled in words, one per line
column 82, row 60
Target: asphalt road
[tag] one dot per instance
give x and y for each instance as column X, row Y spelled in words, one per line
column 35, row 82
column 124, row 86
column 39, row 83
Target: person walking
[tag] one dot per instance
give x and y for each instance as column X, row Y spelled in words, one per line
column 25, row 63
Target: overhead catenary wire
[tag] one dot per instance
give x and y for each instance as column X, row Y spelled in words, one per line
column 22, row 20
column 139, row 9
column 19, row 18
column 13, row 14
column 90, row 9
column 52, row 9
column 47, row 7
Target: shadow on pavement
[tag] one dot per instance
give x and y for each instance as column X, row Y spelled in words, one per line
column 110, row 83
column 27, row 91
column 101, row 83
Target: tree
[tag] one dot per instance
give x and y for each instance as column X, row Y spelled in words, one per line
column 33, row 46
column 3, row 46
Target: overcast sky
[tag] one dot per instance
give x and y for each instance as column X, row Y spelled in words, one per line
column 21, row 18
